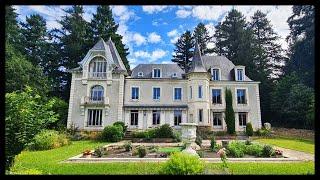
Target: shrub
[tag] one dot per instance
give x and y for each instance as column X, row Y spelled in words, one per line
column 165, row 131
column 151, row 133
column 229, row 114
column 267, row 151
column 263, row 132
column 249, row 129
column 236, row 149
column 182, row 164
column 213, row 143
column 99, row 151
column 198, row 140
column 139, row 134
column 248, row 142
column 48, row 139
column 112, row 133
column 254, row 150
column 220, row 133
column 177, row 136
column 124, row 127
column 142, row 151
column 128, row 146
column 200, row 153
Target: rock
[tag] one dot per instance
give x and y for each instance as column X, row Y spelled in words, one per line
column 267, row 126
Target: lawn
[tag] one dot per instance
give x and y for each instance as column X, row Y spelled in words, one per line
column 49, row 162
column 290, row 143
column 170, row 149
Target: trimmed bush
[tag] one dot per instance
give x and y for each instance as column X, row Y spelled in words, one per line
column 236, row 149
column 151, row 133
column 48, row 139
column 183, row 164
column 142, row 151
column 263, row 132
column 254, row 150
column 99, row 151
column 268, row 151
column 165, row 131
column 249, row 129
column 213, row 143
column 124, row 127
column 112, row 133
column 139, row 134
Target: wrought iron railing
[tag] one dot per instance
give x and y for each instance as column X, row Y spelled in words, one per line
column 93, row 100
column 97, row 75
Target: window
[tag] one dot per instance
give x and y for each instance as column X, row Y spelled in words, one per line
column 96, row 93
column 94, row 117
column 242, row 119
column 140, row 74
column 134, row 117
column 156, row 93
column 156, row 73
column 190, row 92
column 177, row 117
column 98, row 68
column 155, row 117
column 215, row 74
column 174, row 75
column 217, row 117
column 134, row 93
column 177, row 93
column 200, row 91
column 200, row 115
column 216, row 96
column 241, row 97
column 240, row 74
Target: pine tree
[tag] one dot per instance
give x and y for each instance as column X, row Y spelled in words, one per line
column 183, row 51
column 12, row 28
column 104, row 26
column 201, row 35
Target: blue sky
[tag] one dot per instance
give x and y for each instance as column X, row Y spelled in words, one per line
column 150, row 31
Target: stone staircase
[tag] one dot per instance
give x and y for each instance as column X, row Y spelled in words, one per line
column 128, row 135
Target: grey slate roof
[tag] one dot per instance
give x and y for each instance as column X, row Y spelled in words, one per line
column 167, row 70
column 197, row 63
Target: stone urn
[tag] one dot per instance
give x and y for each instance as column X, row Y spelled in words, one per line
column 189, row 134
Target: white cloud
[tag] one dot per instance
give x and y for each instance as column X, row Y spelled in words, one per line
column 123, row 13
column 173, row 33
column 153, row 9
column 181, row 13
column 209, row 12
column 154, row 38
column 139, row 39
column 174, row 40
column 167, row 62
column 152, row 56
column 211, row 29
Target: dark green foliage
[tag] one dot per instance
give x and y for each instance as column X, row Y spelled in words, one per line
column 200, row 153
column 201, row 35
column 183, row 51
column 254, row 150
column 124, row 127
column 142, row 151
column 128, row 146
column 213, row 143
column 236, row 149
column 263, row 132
column 26, row 115
column 12, row 29
column 229, row 114
column 249, row 129
column 48, row 139
column 268, row 151
column 60, row 107
column 112, row 133
column 99, row 151
column 164, row 131
column 183, row 164
column 248, row 142
column 198, row 140
column 177, row 136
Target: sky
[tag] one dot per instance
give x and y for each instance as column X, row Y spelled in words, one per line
column 151, row 31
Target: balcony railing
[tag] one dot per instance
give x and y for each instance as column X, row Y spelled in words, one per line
column 97, row 75
column 93, row 100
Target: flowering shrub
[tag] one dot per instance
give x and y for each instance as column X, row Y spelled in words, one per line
column 223, row 156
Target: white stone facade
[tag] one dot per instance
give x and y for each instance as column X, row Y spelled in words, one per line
column 102, row 93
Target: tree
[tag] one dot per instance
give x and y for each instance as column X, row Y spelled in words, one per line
column 229, row 114
column 183, row 51
column 301, row 43
column 12, row 29
column 26, row 115
column 201, row 35
column 104, row 26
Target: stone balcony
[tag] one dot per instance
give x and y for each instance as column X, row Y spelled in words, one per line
column 85, row 100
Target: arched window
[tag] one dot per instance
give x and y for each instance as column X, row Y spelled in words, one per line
column 98, row 68
column 96, row 93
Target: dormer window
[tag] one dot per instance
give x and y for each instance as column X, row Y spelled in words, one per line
column 240, row 74
column 174, row 75
column 98, row 68
column 140, row 74
column 215, row 74
column 156, row 73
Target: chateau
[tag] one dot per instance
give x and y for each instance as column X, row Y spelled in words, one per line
column 102, row 92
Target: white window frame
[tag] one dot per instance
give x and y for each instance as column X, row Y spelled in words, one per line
column 174, row 117
column 140, row 74
column 93, row 92
column 174, row 94
column 138, row 92
column 200, row 91
column 243, row 125
column 153, row 87
column 201, row 115
column 219, row 73
column 159, row 118
column 87, row 118
column 236, row 73
column 217, row 126
column 153, row 73
column 137, row 120
column 247, row 96
column 221, row 96
column 174, row 75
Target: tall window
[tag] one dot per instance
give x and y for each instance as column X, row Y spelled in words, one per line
column 241, row 96
column 190, row 92
column 200, row 91
column 94, row 117
column 155, row 117
column 240, row 74
column 96, row 93
column 217, row 119
column 134, row 93
column 200, row 115
column 156, row 73
column 215, row 74
column 177, row 93
column 134, row 117
column 216, row 96
column 156, row 93
column 177, row 117
column 98, row 68
column 242, row 119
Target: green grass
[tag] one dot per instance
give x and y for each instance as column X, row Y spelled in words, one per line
column 49, row 162
column 290, row 143
column 170, row 149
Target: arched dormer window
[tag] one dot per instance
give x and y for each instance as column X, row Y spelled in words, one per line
column 96, row 93
column 98, row 68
